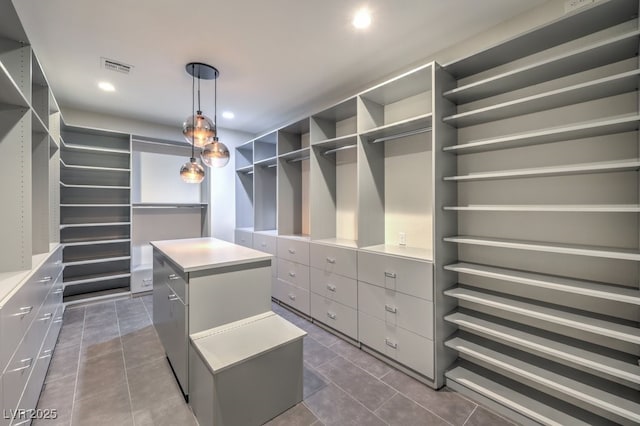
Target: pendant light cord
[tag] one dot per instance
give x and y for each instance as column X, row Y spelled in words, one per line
column 215, row 107
column 193, row 108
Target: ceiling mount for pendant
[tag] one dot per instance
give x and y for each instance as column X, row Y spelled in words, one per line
column 202, row 71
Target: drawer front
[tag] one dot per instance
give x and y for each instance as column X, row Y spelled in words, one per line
column 17, row 315
column 407, row 276
column 409, row 312
column 266, row 243
column 335, row 287
column 335, row 315
column 336, row 260
column 244, row 238
column 177, row 281
column 177, row 340
column 293, row 296
column 294, row 273
column 405, row 347
column 293, row 250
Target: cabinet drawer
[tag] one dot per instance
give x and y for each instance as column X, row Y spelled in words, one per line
column 409, row 312
column 404, row 275
column 293, row 296
column 294, row 273
column 17, row 315
column 335, row 315
column 405, row 347
column 335, row 287
column 341, row 261
column 266, row 243
column 165, row 273
column 293, row 250
column 244, row 238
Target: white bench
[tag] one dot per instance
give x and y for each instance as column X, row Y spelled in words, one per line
column 246, row 372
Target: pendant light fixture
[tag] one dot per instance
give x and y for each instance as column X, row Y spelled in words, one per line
column 200, row 131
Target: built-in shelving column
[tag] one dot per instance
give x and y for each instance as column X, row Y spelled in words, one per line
column 244, row 193
column 265, row 182
column 548, row 283
column 95, row 209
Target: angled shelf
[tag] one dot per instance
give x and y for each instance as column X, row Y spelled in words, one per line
column 550, row 282
column 571, row 249
column 582, row 92
column 338, row 142
column 572, row 169
column 97, row 168
column 604, row 52
column 267, row 162
column 100, row 260
column 96, row 149
column 79, row 186
column 295, row 156
column 586, row 129
column 85, row 279
column 546, row 346
column 517, row 400
column 91, row 225
column 245, row 169
column 97, row 242
column 10, row 93
column 94, row 205
column 136, row 206
column 568, row 208
column 532, row 372
column 610, row 329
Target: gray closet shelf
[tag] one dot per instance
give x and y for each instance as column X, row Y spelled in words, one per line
column 421, row 122
column 569, row 208
column 101, row 260
column 80, row 167
column 95, row 278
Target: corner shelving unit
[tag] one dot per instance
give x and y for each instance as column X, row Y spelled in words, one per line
column 95, row 210
column 546, row 278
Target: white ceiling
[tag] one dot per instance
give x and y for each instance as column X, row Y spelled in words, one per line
column 279, row 59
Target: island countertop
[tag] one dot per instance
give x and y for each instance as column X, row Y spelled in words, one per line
column 199, row 254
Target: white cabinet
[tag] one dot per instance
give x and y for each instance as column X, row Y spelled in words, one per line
column 334, row 259
column 407, row 276
column 244, row 238
column 294, row 273
column 204, row 296
column 334, row 287
column 336, row 315
column 294, row 250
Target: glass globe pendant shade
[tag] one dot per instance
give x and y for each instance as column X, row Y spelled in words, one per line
column 199, row 129
column 192, row 172
column 215, row 154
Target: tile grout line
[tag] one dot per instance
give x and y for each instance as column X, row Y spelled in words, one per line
column 470, row 414
column 358, row 402
column 124, row 362
column 75, row 384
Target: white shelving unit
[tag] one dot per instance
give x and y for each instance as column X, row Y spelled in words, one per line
column 95, row 211
column 546, row 277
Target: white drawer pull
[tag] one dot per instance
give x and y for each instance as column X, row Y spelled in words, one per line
column 46, row 317
column 391, row 309
column 45, row 279
column 292, row 251
column 391, row 344
column 24, row 367
column 57, row 320
column 173, row 297
column 25, row 310
column 59, row 291
column 331, row 287
column 46, row 354
column 331, row 315
column 292, row 296
column 390, row 274
column 24, row 422
column 292, row 274
column 173, row 277
column 331, row 260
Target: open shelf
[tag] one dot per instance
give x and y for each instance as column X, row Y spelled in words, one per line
column 264, row 147
column 95, row 261
column 610, row 329
column 572, row 169
column 94, row 205
column 96, row 278
column 582, row 22
column 97, row 168
column 604, row 52
column 533, row 372
column 109, row 249
column 413, row 125
column 592, row 128
column 519, row 400
column 335, row 123
column 338, row 142
column 297, row 155
column 576, row 208
column 245, row 169
column 65, row 185
column 91, row 225
column 244, row 155
column 546, row 346
column 571, row 249
column 97, row 242
column 88, row 148
column 583, row 92
column 267, row 162
column 136, row 206
column 550, row 282
column 293, row 137
column 10, row 93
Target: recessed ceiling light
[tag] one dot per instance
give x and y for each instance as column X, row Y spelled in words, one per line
column 228, row 115
column 362, row 19
column 107, row 87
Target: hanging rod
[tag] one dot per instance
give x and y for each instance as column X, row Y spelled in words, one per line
column 334, row 150
column 402, row 135
column 270, row 166
column 296, row 160
column 250, row 172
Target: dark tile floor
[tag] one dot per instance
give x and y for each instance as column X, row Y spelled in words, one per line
column 109, row 368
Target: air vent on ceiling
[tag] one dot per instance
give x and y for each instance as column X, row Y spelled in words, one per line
column 110, row 64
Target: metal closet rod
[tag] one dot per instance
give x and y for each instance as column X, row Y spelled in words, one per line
column 402, row 135
column 250, row 172
column 342, row 148
column 269, row 166
column 296, row 160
